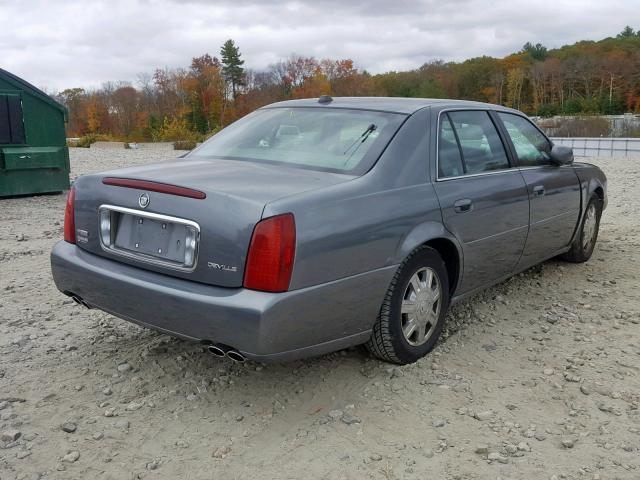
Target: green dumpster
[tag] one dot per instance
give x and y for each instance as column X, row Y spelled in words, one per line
column 34, row 157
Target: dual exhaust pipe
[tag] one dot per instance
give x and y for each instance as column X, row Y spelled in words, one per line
column 80, row 301
column 216, row 349
column 220, row 350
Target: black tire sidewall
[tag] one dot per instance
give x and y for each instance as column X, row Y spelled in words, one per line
column 586, row 254
column 404, row 351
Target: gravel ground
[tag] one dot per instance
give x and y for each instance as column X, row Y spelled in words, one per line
column 537, row 378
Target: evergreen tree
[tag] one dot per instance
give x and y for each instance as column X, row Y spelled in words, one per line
column 627, row 32
column 536, row 52
column 232, row 65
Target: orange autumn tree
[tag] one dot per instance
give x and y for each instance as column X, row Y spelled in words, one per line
column 588, row 77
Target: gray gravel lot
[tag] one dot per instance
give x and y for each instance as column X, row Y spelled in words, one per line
column 537, row 378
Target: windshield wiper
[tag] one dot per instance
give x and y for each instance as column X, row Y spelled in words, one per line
column 362, row 138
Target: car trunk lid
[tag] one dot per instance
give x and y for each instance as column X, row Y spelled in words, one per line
column 130, row 215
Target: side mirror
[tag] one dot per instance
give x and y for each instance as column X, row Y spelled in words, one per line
column 561, row 155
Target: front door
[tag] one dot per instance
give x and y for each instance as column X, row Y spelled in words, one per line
column 483, row 199
column 554, row 190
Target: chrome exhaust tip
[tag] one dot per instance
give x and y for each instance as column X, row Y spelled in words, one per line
column 236, row 356
column 80, row 301
column 217, row 350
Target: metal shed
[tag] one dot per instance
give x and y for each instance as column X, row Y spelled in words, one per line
column 34, row 157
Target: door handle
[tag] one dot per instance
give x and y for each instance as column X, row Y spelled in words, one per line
column 464, row 205
column 538, row 191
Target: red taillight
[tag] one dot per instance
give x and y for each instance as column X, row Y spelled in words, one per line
column 271, row 253
column 69, row 217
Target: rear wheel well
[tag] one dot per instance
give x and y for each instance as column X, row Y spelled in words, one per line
column 599, row 192
column 449, row 254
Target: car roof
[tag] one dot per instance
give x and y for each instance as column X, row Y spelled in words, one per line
column 386, row 104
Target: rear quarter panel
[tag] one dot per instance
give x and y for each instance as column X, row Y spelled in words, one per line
column 371, row 222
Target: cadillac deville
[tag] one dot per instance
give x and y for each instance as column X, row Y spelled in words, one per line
column 313, row 225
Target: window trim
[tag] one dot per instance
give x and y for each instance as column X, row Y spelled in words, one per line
column 455, row 134
column 481, row 174
column 512, row 147
column 507, row 149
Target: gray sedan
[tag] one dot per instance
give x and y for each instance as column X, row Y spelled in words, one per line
column 313, row 225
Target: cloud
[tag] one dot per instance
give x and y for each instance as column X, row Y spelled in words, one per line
column 77, row 43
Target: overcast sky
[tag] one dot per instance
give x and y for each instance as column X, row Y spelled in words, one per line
column 66, row 43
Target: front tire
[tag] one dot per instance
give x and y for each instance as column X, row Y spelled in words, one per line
column 414, row 309
column 585, row 241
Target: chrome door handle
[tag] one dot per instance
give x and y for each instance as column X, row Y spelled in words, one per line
column 24, row 156
column 463, row 205
column 538, row 191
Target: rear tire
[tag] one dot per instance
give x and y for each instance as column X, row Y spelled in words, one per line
column 414, row 309
column 585, row 241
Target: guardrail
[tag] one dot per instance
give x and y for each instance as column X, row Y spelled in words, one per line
column 601, row 146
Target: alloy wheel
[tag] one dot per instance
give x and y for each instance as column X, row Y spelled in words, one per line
column 421, row 306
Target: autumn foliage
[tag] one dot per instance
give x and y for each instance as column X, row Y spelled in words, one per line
column 191, row 103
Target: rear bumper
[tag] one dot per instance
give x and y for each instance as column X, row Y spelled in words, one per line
column 263, row 326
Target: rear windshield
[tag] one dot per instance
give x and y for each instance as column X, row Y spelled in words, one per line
column 319, row 138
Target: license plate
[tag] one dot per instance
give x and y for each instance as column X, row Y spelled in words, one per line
column 149, row 237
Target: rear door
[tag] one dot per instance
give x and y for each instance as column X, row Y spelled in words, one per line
column 554, row 190
column 483, row 197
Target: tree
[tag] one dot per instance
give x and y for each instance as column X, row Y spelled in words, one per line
column 627, row 32
column 314, row 86
column 73, row 99
column 206, row 92
column 473, row 75
column 93, row 116
column 200, row 64
column 515, row 81
column 232, row 66
column 124, row 106
column 599, row 77
column 536, row 52
column 167, row 98
column 299, row 69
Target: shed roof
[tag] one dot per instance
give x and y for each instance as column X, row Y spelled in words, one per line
column 21, row 84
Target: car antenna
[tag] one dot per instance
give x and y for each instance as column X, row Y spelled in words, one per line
column 323, row 99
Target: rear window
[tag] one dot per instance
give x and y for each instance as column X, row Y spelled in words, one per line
column 320, row 138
